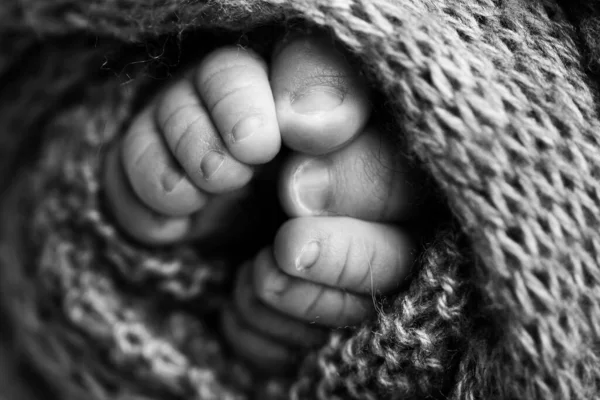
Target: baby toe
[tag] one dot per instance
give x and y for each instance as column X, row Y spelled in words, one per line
column 365, row 179
column 356, row 256
column 195, row 142
column 257, row 350
column 275, row 325
column 321, row 101
column 233, row 83
column 153, row 174
column 306, row 300
column 140, row 222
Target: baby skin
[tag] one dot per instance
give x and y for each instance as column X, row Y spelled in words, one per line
column 201, row 141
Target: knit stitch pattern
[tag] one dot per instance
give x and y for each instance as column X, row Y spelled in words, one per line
column 491, row 98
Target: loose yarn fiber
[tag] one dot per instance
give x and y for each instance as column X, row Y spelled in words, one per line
column 492, row 98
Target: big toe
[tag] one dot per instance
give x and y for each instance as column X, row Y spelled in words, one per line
column 321, row 99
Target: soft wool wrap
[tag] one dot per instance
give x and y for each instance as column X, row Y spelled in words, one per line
column 492, row 99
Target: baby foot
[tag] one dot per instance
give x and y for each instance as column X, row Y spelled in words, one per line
column 346, row 191
column 193, row 149
column 200, row 137
column 205, row 133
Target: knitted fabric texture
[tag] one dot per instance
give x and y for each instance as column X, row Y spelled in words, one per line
column 491, row 98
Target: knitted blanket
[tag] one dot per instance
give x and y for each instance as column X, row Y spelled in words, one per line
column 490, row 97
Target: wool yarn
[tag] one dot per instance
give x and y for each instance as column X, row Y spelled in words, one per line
column 491, row 97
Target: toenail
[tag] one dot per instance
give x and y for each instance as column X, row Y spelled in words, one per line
column 169, row 179
column 312, row 185
column 246, row 128
column 211, row 163
column 276, row 283
column 308, row 256
column 316, row 99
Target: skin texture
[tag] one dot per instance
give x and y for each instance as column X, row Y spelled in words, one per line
column 186, row 159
